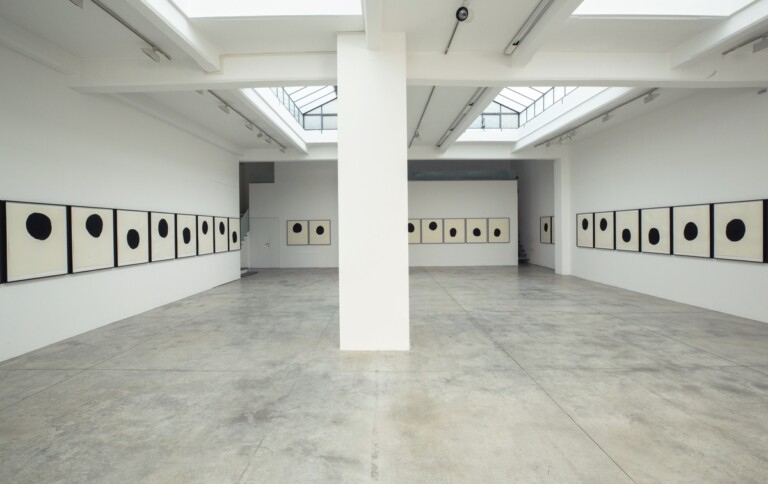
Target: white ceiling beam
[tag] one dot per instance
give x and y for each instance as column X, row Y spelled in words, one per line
column 751, row 20
column 238, row 72
column 30, row 45
column 579, row 69
column 174, row 25
column 552, row 21
column 265, row 105
column 474, row 111
column 373, row 14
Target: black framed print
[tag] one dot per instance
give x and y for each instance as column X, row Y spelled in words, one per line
column 36, row 241
column 432, row 231
column 585, row 230
column 414, row 231
column 221, row 234
column 605, row 231
column 132, row 237
column 162, row 236
column 657, row 230
column 545, row 230
column 498, row 230
column 691, row 230
column 204, row 235
column 739, row 231
column 298, row 232
column 628, row 230
column 92, row 232
column 477, row 230
column 234, row 234
column 319, row 232
column 453, row 231
column 186, row 235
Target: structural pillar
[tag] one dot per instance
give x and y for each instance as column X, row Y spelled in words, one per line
column 373, row 194
column 564, row 228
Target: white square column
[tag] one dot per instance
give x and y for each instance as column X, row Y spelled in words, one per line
column 373, row 194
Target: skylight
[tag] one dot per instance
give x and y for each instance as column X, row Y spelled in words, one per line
column 516, row 106
column 313, row 107
column 661, row 8
column 253, row 8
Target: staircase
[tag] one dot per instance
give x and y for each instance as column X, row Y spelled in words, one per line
column 521, row 254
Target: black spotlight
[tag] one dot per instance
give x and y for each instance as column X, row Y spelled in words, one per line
column 462, row 14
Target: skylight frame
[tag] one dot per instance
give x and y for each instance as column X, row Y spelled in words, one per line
column 283, row 8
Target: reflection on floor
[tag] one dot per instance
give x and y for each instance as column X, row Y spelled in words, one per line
column 516, row 375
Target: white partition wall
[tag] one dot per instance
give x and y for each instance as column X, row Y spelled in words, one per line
column 373, row 194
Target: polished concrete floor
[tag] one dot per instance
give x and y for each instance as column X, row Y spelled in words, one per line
column 516, row 375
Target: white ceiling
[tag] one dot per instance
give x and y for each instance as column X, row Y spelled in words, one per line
column 443, row 108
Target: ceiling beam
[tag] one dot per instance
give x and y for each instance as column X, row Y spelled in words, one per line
column 265, row 106
column 552, row 21
column 749, row 21
column 174, row 25
column 472, row 112
column 373, row 13
column 36, row 48
column 238, row 72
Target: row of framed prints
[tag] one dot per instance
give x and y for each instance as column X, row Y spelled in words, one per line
column 546, row 230
column 43, row 240
column 458, row 231
column 731, row 230
column 309, row 232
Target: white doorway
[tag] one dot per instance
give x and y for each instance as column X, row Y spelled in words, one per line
column 265, row 242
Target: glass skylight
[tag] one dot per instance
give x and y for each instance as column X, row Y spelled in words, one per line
column 661, row 8
column 515, row 106
column 313, row 107
column 253, row 8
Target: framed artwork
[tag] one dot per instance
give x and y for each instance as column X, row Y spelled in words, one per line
column 414, row 231
column 186, row 235
column 319, row 232
column 92, row 232
column 498, row 230
column 298, row 232
column 234, row 234
column 739, row 231
column 132, row 237
column 221, row 234
column 477, row 230
column 585, row 230
column 628, row 230
column 162, row 236
column 657, row 230
column 691, row 230
column 204, row 235
column 36, row 241
column 453, row 231
column 431, row 231
column 545, row 230
column 605, row 233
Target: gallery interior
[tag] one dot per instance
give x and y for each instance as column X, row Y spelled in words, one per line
column 383, row 241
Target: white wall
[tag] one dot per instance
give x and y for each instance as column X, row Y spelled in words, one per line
column 536, row 199
column 708, row 147
column 59, row 146
column 464, row 199
column 302, row 191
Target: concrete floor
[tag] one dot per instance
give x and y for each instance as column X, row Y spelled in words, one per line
column 516, row 375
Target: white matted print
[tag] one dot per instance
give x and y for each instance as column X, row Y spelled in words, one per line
column 320, row 232
column 221, row 234
column 628, row 230
column 93, row 238
column 605, row 235
column 453, row 231
column 431, row 231
column 162, row 236
column 186, row 235
column 739, row 231
column 585, row 230
column 132, row 237
column 414, row 231
column 36, row 240
column 477, row 230
column 234, row 234
column 657, row 236
column 545, row 230
column 298, row 232
column 691, row 231
column 498, row 230
column 204, row 235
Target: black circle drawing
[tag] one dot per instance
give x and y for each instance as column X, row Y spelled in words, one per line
column 603, row 224
column 691, row 231
column 497, row 232
column 297, row 228
column 186, row 234
column 432, row 225
column 626, row 235
column 39, row 226
column 584, row 224
column 133, row 238
column 476, row 232
column 162, row 228
column 735, row 230
column 320, row 230
column 94, row 225
column 411, row 228
column 222, row 228
column 654, row 237
column 205, row 227
column 234, row 237
column 546, row 227
column 453, row 232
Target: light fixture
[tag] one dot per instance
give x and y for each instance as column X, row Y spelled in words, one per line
column 462, row 13
column 249, row 126
column 282, row 150
column 571, row 133
column 259, row 134
column 762, row 91
column 224, row 108
column 268, row 140
column 152, row 51
column 761, row 45
column 464, row 111
column 528, row 25
column 200, row 91
column 416, row 133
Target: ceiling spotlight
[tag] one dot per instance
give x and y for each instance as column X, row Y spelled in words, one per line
column 260, row 134
column 200, row 91
column 417, row 134
column 78, row 3
column 763, row 44
column 282, row 150
column 249, row 126
column 224, row 108
column 462, row 14
column 268, row 139
column 650, row 97
column 607, row 117
column 548, row 144
column 762, row 91
column 151, row 53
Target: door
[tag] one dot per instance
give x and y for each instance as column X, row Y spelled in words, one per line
column 265, row 242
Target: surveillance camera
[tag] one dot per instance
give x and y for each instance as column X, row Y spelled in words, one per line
column 462, row 14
